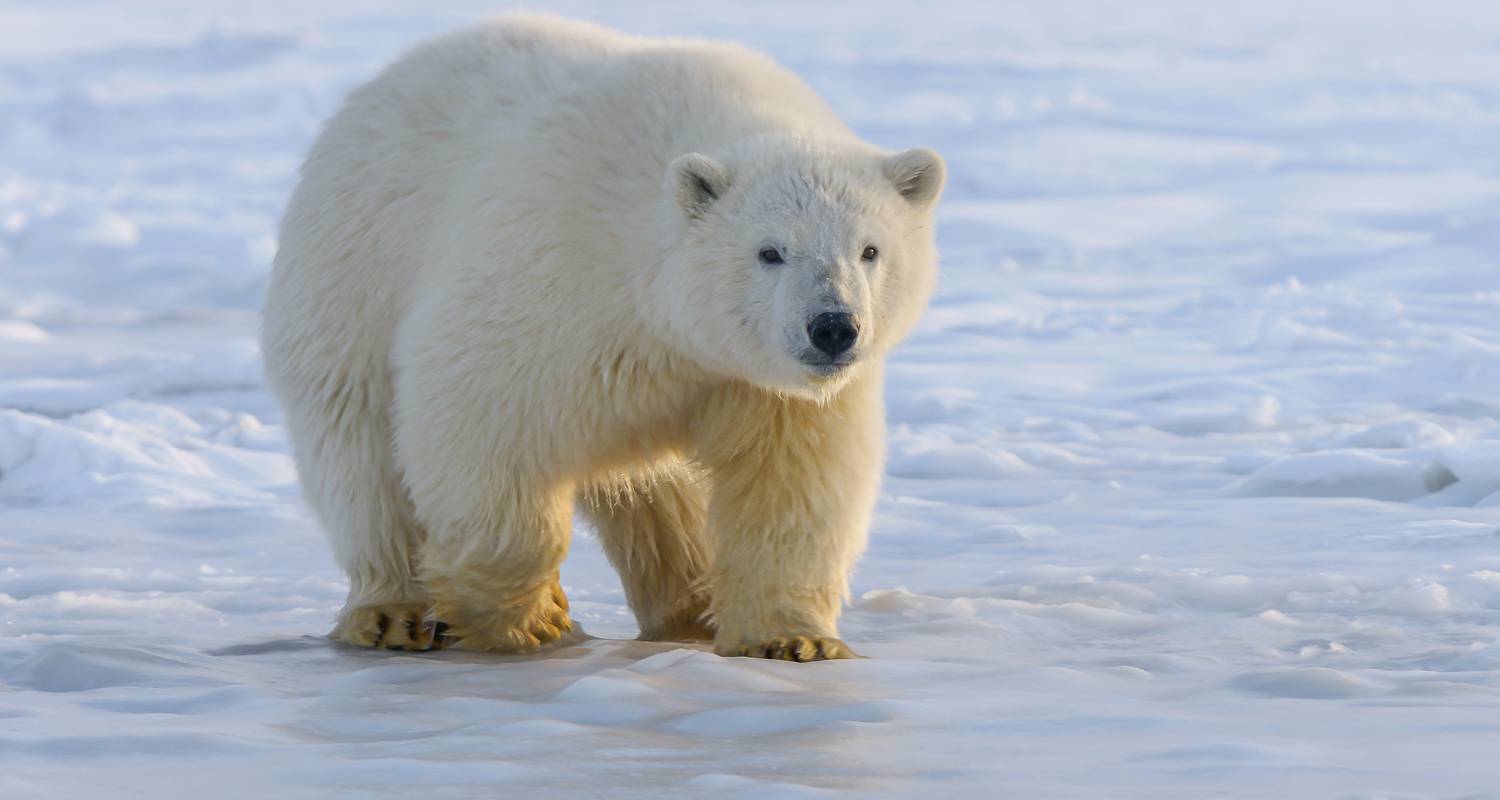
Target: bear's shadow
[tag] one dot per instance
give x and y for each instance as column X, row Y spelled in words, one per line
column 576, row 645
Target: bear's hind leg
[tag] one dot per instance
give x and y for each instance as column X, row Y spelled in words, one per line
column 651, row 527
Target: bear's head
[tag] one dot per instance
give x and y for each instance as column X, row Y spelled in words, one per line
column 790, row 264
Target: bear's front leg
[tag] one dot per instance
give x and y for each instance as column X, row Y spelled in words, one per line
column 794, row 484
column 478, row 457
column 494, row 577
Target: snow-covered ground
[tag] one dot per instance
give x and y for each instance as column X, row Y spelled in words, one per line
column 1194, row 487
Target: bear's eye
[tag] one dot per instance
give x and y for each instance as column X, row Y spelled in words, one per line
column 870, row 254
column 770, row 255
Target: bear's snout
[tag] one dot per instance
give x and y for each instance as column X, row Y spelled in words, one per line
column 833, row 333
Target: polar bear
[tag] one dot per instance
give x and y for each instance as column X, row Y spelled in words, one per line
column 538, row 265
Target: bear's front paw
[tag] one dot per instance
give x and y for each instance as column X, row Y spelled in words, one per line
column 789, row 648
column 541, row 624
column 395, row 626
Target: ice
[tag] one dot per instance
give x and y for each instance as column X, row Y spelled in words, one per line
column 1347, row 473
column 1194, row 474
column 1308, row 682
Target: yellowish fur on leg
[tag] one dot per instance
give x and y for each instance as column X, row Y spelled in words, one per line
column 794, row 482
column 493, row 579
column 539, row 618
column 687, row 625
column 651, row 526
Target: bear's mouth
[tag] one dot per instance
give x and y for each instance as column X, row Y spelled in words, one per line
column 824, row 366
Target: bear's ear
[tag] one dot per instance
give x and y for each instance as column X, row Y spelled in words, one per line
column 917, row 174
column 698, row 181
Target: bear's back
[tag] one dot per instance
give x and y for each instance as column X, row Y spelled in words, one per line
column 570, row 88
column 519, row 135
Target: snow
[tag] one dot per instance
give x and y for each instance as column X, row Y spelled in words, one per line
column 1194, row 487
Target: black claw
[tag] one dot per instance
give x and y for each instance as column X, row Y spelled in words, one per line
column 440, row 637
column 821, row 654
column 384, row 624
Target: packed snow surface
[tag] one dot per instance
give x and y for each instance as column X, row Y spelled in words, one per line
column 1194, row 482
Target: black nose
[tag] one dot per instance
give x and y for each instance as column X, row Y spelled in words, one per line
column 833, row 332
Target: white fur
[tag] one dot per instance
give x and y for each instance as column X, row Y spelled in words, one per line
column 521, row 269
